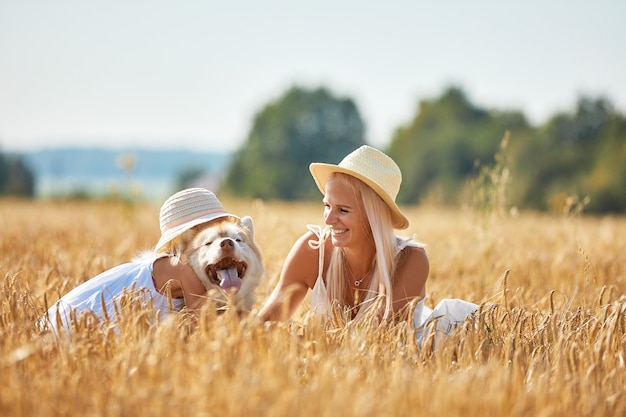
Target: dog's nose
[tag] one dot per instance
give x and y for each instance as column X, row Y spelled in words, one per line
column 227, row 242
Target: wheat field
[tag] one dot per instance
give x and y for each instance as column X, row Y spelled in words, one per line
column 549, row 338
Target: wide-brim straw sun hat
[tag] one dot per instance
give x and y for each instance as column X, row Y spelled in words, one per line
column 375, row 169
column 186, row 209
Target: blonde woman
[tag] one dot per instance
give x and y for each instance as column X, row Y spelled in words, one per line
column 356, row 261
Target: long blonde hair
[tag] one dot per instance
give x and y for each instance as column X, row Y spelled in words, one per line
column 378, row 226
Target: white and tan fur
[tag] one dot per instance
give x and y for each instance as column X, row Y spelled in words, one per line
column 226, row 259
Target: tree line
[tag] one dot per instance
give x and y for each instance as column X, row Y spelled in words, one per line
column 451, row 152
column 444, row 151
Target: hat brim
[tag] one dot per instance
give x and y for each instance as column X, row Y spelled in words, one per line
column 321, row 174
column 174, row 232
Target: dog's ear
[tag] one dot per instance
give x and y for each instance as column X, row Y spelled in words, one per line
column 181, row 244
column 246, row 222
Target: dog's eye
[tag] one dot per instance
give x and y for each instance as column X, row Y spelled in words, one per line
column 209, row 243
column 239, row 240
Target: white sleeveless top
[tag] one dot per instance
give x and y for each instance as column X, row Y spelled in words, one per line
column 448, row 314
column 445, row 316
column 318, row 297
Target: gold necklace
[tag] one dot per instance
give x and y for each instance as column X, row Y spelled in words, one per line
column 359, row 281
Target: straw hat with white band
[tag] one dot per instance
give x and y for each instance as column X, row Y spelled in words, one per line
column 186, row 209
column 375, row 169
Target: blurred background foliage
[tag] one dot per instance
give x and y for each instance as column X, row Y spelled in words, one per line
column 16, row 179
column 287, row 135
column 449, row 152
column 444, row 152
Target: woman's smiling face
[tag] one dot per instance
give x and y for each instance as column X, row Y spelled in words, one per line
column 343, row 212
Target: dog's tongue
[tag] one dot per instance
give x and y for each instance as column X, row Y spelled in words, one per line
column 229, row 280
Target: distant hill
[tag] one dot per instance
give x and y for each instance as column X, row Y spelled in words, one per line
column 150, row 174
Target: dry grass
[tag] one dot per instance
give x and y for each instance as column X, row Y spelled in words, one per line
column 549, row 339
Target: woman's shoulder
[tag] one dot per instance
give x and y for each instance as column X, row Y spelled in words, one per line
column 413, row 259
column 306, row 240
column 409, row 244
column 302, row 262
column 305, row 246
column 412, row 270
column 411, row 251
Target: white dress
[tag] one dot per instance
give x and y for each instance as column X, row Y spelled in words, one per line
column 108, row 287
column 447, row 314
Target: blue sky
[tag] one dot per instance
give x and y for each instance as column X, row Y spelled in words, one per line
column 192, row 74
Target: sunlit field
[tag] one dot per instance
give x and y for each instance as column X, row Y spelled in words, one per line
column 548, row 340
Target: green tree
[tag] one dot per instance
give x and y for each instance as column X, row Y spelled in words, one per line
column 16, row 178
column 4, row 173
column 565, row 151
column 300, row 127
column 605, row 184
column 439, row 150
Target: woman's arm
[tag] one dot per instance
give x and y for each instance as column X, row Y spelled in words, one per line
column 298, row 275
column 410, row 277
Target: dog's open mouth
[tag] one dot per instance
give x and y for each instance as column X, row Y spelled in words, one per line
column 227, row 273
